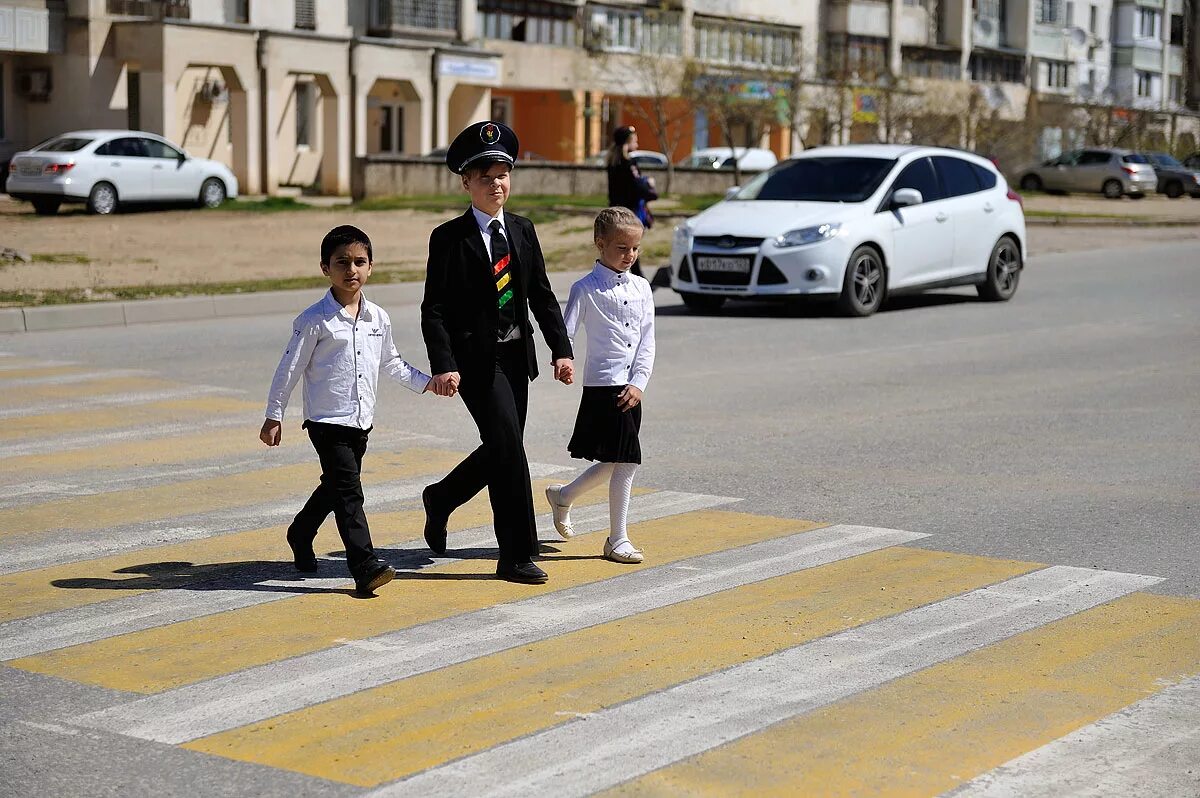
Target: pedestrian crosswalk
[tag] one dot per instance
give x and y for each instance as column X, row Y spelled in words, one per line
column 142, row 557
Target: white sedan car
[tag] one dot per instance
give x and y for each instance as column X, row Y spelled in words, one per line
column 857, row 223
column 105, row 168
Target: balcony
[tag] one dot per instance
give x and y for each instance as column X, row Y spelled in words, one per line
column 152, row 9
column 395, row 17
column 914, row 28
column 987, row 32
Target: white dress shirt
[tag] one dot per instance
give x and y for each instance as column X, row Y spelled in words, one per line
column 616, row 310
column 339, row 358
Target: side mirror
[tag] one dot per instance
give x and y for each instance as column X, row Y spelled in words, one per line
column 181, row 157
column 903, row 197
column 732, row 191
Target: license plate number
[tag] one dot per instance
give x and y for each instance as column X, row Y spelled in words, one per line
column 736, row 265
column 30, row 170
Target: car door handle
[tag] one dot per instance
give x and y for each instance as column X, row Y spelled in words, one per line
column 987, row 207
column 941, row 217
column 158, row 166
column 115, row 163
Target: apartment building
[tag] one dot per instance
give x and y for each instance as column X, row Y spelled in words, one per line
column 291, row 92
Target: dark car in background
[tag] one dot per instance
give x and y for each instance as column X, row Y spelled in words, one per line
column 1174, row 178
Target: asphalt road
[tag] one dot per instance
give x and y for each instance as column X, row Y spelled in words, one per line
column 1059, row 427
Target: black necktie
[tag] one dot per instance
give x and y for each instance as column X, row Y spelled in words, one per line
column 502, row 272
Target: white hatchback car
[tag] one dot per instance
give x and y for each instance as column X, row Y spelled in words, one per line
column 751, row 159
column 856, row 223
column 105, row 168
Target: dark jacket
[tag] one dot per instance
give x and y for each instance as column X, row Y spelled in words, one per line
column 459, row 314
column 626, row 186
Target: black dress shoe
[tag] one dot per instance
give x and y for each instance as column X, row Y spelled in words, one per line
column 374, row 576
column 302, row 551
column 524, row 572
column 435, row 525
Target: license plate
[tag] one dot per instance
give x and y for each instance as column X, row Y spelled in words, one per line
column 735, row 265
column 30, row 170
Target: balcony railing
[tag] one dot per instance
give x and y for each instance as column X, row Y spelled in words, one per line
column 154, row 9
column 396, row 15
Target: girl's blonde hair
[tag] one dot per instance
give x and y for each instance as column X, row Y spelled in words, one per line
column 609, row 220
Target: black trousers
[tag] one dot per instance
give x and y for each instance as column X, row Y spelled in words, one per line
column 499, row 464
column 341, row 451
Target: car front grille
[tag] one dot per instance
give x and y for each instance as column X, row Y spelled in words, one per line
column 727, row 242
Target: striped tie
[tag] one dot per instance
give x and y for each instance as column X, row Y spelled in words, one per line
column 502, row 271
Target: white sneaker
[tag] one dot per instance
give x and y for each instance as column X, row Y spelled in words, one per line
column 562, row 512
column 622, row 552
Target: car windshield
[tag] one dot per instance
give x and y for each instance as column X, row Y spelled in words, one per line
column 65, row 144
column 1162, row 159
column 821, row 179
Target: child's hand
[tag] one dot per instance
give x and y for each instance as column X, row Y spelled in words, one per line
column 445, row 384
column 564, row 370
column 629, row 398
column 271, row 432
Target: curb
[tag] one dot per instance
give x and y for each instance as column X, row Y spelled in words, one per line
column 200, row 308
column 1099, row 221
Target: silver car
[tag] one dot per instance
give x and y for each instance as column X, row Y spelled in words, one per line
column 1111, row 172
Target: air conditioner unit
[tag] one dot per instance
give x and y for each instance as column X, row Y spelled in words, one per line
column 34, row 84
column 214, row 91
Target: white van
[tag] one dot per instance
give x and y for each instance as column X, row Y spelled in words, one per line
column 751, row 159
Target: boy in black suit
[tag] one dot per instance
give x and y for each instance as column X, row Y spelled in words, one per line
column 486, row 273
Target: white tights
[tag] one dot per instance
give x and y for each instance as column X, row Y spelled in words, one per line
column 620, row 488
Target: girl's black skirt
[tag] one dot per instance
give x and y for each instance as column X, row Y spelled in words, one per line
column 602, row 431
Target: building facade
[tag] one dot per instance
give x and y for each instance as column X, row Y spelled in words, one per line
column 291, row 92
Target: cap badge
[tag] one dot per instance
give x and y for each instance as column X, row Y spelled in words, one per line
column 489, row 133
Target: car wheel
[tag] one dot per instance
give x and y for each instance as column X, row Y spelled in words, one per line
column 702, row 303
column 212, row 193
column 865, row 283
column 1112, row 189
column 1031, row 183
column 1003, row 272
column 103, row 199
column 45, row 207
column 1174, row 189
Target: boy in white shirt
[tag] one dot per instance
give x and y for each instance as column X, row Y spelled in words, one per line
column 617, row 310
column 338, row 346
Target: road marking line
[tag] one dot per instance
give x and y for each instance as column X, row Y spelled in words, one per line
column 63, row 443
column 61, row 375
column 655, row 731
column 248, row 696
column 1149, row 749
column 118, row 400
column 426, row 720
column 104, row 617
column 931, row 730
column 44, row 425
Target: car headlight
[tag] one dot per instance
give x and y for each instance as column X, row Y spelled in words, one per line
column 683, row 236
column 807, row 235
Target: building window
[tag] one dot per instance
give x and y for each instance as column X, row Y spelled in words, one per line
column 1058, row 75
column 1050, row 12
column 2, row 104
column 997, row 69
column 1148, row 23
column 1177, row 29
column 632, row 30
column 529, row 21
column 923, row 64
column 1070, row 13
column 241, row 11
column 857, row 57
column 391, row 15
column 1094, row 20
column 1145, row 84
column 745, row 44
column 1175, row 87
column 133, row 100
column 304, row 113
column 306, row 15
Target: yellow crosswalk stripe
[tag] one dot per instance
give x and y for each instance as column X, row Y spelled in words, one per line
column 202, row 495
column 935, row 729
column 402, row 728
column 61, row 587
column 31, row 395
column 210, row 445
column 48, row 424
column 153, row 660
column 37, row 372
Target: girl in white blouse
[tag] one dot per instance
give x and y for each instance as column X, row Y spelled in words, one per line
column 616, row 309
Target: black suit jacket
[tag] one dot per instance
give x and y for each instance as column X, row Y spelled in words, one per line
column 459, row 316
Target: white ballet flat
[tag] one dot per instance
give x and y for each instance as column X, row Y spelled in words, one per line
column 562, row 512
column 624, row 552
